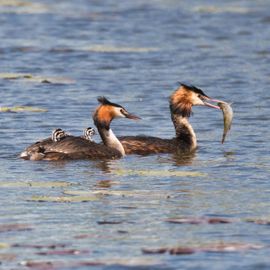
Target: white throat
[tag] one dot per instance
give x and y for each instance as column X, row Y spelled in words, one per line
column 192, row 133
column 111, row 140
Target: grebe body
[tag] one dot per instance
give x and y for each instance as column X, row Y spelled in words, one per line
column 181, row 103
column 72, row 147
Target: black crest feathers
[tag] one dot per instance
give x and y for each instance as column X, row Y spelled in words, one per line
column 193, row 88
column 104, row 101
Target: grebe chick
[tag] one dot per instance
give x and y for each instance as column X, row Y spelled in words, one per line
column 181, row 102
column 58, row 134
column 88, row 133
column 72, row 147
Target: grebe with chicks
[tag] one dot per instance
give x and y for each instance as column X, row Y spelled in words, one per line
column 72, row 147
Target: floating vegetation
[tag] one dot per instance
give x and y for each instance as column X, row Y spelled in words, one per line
column 62, row 199
column 161, row 250
column 129, row 262
column 22, row 7
column 122, row 193
column 219, row 248
column 117, row 49
column 160, row 173
column 51, row 246
column 104, row 49
column 224, row 9
column 4, row 245
column 259, row 221
column 15, row 76
column 7, row 257
column 45, row 265
column 14, row 3
column 215, row 220
column 22, row 109
column 35, row 78
column 110, row 222
column 14, row 227
column 63, row 252
column 53, row 184
column 199, row 220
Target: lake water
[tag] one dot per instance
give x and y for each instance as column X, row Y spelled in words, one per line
column 61, row 55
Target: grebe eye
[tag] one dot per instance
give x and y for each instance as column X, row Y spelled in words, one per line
column 122, row 111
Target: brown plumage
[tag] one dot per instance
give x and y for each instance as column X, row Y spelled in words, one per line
column 72, row 147
column 145, row 145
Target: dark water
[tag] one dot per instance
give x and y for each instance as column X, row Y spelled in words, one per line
column 134, row 52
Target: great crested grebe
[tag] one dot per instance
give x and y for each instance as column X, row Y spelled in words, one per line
column 88, row 133
column 72, row 147
column 58, row 134
column 181, row 102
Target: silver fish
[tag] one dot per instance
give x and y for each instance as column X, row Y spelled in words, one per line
column 227, row 118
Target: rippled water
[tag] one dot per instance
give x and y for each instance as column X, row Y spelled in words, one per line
column 134, row 52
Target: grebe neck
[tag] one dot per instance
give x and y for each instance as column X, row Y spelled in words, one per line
column 184, row 132
column 109, row 139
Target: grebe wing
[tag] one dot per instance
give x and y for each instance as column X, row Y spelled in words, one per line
column 78, row 146
column 70, row 147
column 42, row 143
column 145, row 145
column 69, row 144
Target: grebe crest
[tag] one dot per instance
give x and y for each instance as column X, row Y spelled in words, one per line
column 103, row 116
column 107, row 111
column 88, row 133
column 58, row 134
column 186, row 96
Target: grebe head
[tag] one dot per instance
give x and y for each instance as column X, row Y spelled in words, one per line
column 107, row 111
column 186, row 96
column 58, row 134
column 88, row 133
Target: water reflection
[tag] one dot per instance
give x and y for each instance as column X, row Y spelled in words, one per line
column 178, row 159
column 183, row 159
column 101, row 165
column 104, row 166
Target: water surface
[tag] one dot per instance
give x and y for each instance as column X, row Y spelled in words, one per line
column 134, row 52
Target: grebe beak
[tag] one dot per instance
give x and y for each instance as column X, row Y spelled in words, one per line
column 132, row 116
column 212, row 100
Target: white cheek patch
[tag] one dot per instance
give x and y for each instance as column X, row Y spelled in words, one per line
column 118, row 112
column 196, row 101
